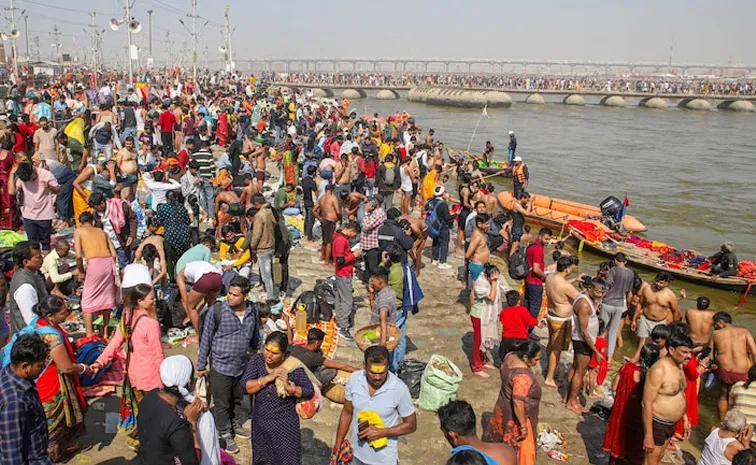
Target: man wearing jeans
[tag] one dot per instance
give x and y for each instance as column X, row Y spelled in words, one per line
column 536, row 277
column 343, row 259
column 227, row 335
column 262, row 241
column 206, row 166
column 619, row 283
column 309, row 195
column 38, row 210
column 440, row 248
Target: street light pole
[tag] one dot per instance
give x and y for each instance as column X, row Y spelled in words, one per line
column 14, row 32
column 26, row 34
column 128, row 32
column 149, row 15
column 194, row 42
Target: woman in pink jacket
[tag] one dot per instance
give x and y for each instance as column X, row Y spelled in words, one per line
column 139, row 336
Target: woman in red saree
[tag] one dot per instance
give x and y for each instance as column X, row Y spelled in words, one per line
column 8, row 209
column 222, row 131
column 520, row 392
column 58, row 386
column 623, row 439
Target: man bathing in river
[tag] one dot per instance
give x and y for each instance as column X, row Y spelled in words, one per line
column 734, row 348
column 700, row 320
column 658, row 305
column 560, row 295
column 664, row 401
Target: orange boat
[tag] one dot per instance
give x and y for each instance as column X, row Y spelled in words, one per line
column 556, row 212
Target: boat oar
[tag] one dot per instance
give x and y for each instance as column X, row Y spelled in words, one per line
column 742, row 300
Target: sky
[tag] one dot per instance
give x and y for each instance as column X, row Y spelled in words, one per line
column 599, row 30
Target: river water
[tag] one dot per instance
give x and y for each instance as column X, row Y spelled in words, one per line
column 689, row 175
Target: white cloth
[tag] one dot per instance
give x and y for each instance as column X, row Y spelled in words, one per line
column 26, row 298
column 194, row 271
column 176, row 371
column 135, row 274
column 159, row 189
column 593, row 320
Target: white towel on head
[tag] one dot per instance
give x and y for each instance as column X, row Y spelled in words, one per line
column 176, row 371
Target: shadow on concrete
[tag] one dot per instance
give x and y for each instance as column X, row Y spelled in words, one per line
column 115, row 461
column 314, row 451
column 467, row 342
column 592, row 430
column 411, row 347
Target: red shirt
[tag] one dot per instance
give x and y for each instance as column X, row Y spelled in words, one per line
column 183, row 158
column 341, row 248
column 535, row 255
column 515, row 322
column 166, row 121
column 20, row 145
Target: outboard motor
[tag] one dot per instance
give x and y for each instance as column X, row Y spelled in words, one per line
column 610, row 210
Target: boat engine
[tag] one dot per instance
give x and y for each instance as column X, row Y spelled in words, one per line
column 610, row 210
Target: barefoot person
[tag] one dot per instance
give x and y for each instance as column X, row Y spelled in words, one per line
column 734, row 348
column 585, row 324
column 658, row 304
column 700, row 320
column 560, row 295
column 327, row 211
column 664, row 399
column 477, row 252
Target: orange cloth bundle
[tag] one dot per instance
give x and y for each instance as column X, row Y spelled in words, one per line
column 747, row 270
column 591, row 231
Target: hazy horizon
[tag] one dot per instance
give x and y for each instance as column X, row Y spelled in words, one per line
column 591, row 30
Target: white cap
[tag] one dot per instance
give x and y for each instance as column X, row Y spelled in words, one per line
column 517, row 159
column 511, row 133
column 438, row 191
column 135, row 274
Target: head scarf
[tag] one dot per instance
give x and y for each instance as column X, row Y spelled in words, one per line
column 176, row 371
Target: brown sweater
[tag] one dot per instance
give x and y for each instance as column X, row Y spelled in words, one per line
column 263, row 237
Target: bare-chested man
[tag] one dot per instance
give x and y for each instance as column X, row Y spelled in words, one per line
column 261, row 155
column 328, row 212
column 700, row 320
column 664, row 401
column 127, row 164
column 478, row 253
column 560, row 293
column 734, row 348
column 419, row 232
column 352, row 205
column 249, row 190
column 658, row 303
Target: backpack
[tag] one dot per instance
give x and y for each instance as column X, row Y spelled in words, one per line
column 310, row 300
column 217, row 308
column 5, row 352
column 432, row 220
column 518, row 264
column 87, row 350
column 388, row 178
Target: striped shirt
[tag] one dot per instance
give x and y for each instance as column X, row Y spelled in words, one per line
column 206, row 164
column 744, row 400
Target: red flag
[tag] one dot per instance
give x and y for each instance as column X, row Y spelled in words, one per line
column 626, row 203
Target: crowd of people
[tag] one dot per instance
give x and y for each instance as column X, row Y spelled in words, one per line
column 150, row 184
column 612, row 84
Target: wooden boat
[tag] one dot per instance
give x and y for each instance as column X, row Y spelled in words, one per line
column 556, row 212
column 652, row 260
column 501, row 169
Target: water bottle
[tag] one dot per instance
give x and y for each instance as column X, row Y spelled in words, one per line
column 300, row 320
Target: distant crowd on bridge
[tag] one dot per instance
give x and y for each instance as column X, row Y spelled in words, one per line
column 650, row 85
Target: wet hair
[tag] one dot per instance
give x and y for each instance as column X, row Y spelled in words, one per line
column 376, row 354
column 525, row 195
column 279, row 338
column 751, row 376
column 598, row 282
column 393, row 213
column 242, row 283
column 702, row 303
column 489, row 269
column 679, row 340
column 24, row 171
column 679, row 327
column 149, row 253
column 482, row 218
column 660, row 332
column 23, row 251
column 512, row 297
column 724, row 317
column 602, row 326
column 29, row 348
column 394, row 252
column 50, row 305
column 649, row 354
column 458, row 417
column 575, row 261
column 528, row 349
column 556, row 255
column 466, row 457
column 664, row 276
column 315, row 335
column 604, row 267
column 745, row 457
column 563, row 263
column 86, row 217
